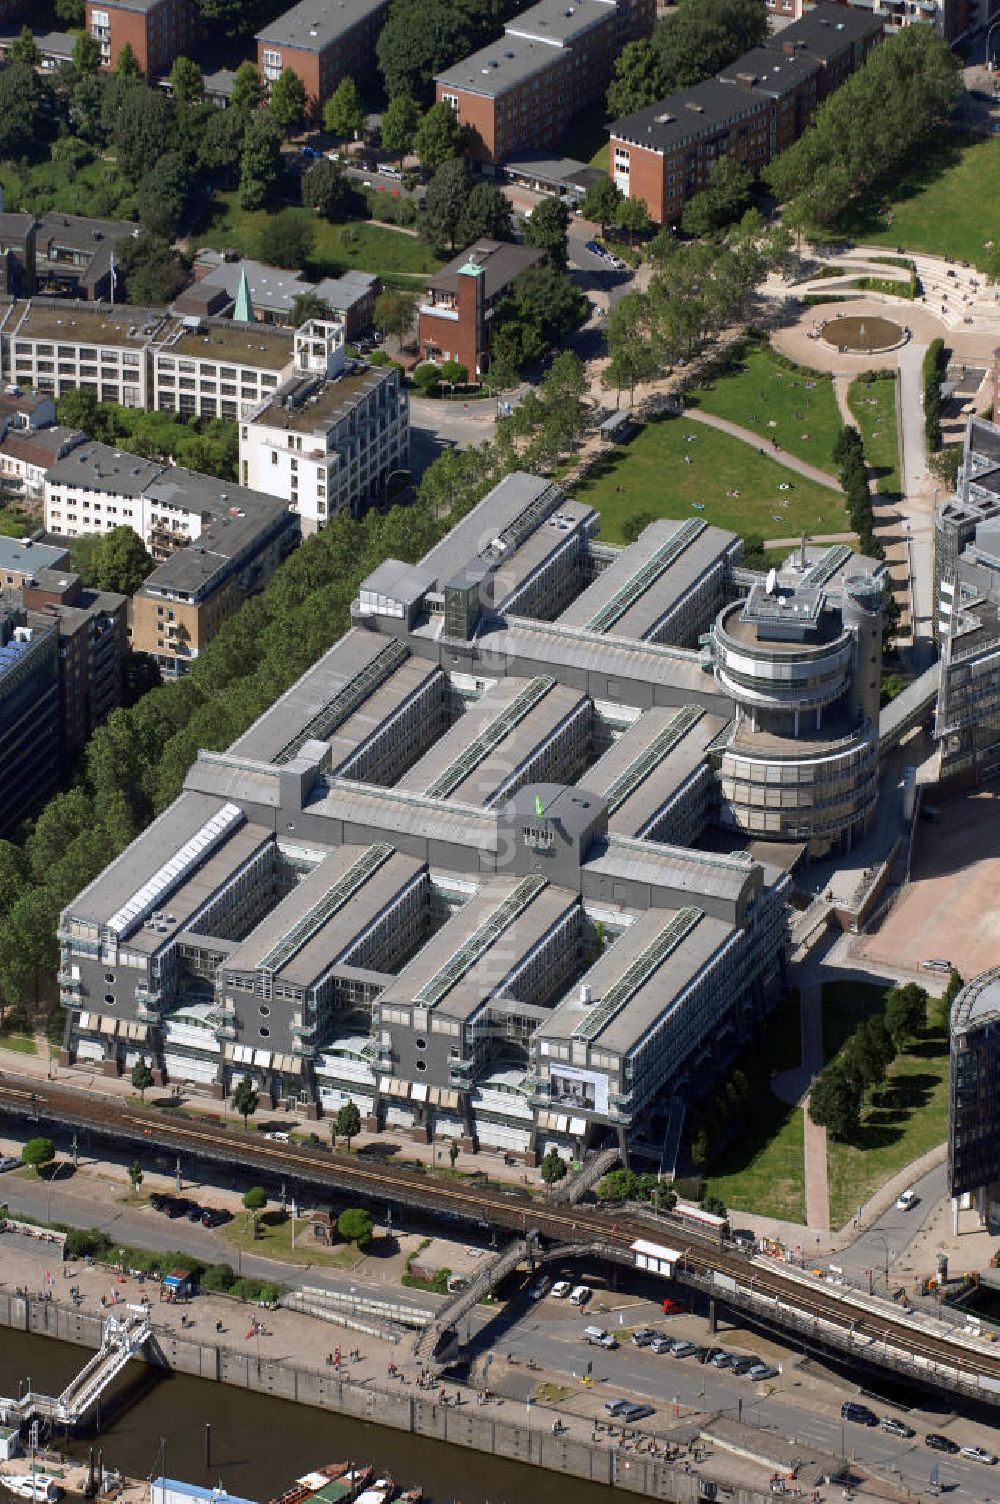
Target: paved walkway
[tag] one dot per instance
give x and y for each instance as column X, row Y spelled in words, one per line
column 793, row 1086
column 747, row 435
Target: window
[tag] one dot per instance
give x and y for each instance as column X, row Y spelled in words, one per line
column 421, row 1065
column 264, row 1033
column 272, row 64
column 274, row 456
column 265, row 1011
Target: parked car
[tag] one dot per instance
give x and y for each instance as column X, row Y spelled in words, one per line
column 978, row 1454
column 860, row 1414
column 723, row 1359
column 710, row 1354
column 661, row 1344
column 743, row 1365
column 939, row 1443
column 671, row 1307
column 761, row 1371
column 177, row 1206
column 8, row 1161
column 616, row 1406
column 684, row 1349
column 540, row 1288
column 158, row 1201
column 579, row 1295
column 278, row 1137
column 214, row 1216
column 896, row 1427
column 595, row 249
column 194, row 1212
column 906, row 1200
column 596, row 1336
column 636, row 1412
column 309, row 151
column 616, row 263
column 561, row 1289
column 936, row 963
column 643, row 1336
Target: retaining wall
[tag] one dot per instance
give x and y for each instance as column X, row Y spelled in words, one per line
column 401, row 1409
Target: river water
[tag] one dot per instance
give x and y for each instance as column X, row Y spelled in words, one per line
column 259, row 1444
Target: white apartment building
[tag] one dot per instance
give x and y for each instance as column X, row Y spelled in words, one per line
column 58, row 346
column 331, row 436
column 218, row 369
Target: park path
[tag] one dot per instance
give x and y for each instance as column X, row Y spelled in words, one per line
column 841, row 387
column 793, row 1086
column 736, row 431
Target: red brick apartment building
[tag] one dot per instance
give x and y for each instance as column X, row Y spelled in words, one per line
column 157, row 30
column 755, row 108
column 953, row 18
column 457, row 307
column 323, row 41
column 524, row 90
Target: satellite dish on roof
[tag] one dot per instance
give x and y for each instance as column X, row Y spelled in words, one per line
column 772, row 580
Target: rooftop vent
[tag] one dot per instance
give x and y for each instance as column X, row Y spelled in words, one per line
column 699, row 109
column 664, row 119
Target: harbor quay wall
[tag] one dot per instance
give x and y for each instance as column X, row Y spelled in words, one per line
column 480, row 1428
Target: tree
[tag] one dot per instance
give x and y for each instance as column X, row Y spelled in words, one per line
column 418, row 40
column 445, row 200
column 905, row 1013
column 24, row 49
column 348, row 1121
column 121, row 561
column 245, row 1102
column 487, row 214
column 152, row 271
column 142, row 1078
column 835, row 1102
column 399, row 125
column 288, row 101
column 704, row 36
column 86, row 55
column 715, row 1206
column 355, row 1226
column 553, row 1167
column 633, row 217
column 438, row 136
column 722, row 203
column 453, row 1153
column 547, row 228
column 162, row 196
column 327, row 189
column 394, row 311
column 306, row 306
column 287, row 239
column 135, row 1176
column 248, row 89
column 631, row 528
column 632, row 345
column 871, row 1051
column 343, row 113
column 260, row 161
column 255, row 1199
column 601, row 203
column 141, row 123
column 70, row 12
column 637, row 79
column 186, row 82
column 38, row 1152
column 22, row 101
column 127, row 64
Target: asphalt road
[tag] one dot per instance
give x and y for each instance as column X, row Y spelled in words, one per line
column 887, row 1240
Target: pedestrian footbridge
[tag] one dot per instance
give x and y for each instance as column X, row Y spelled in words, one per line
column 123, row 1337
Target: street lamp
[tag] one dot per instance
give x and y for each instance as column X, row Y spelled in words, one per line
column 51, row 1180
column 890, row 1253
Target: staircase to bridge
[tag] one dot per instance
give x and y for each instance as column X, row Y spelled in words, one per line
column 122, row 1338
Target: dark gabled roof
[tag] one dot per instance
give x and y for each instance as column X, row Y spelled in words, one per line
column 501, row 263
column 688, row 115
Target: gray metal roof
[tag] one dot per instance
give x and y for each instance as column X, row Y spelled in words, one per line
column 324, row 943
column 556, row 22
column 367, row 722
column 21, row 556
column 654, row 998
column 825, row 31
column 308, row 696
column 314, row 24
column 492, row 962
column 100, row 467
column 772, row 72
column 224, row 543
column 501, row 66
column 695, row 873
column 488, row 520
column 640, row 780
column 563, row 528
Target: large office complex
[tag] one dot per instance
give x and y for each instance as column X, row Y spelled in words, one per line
column 754, row 109
column 967, row 610
column 449, row 875
column 974, row 1102
column 552, row 61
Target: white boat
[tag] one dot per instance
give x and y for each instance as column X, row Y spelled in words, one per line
column 379, row 1492
column 38, row 1487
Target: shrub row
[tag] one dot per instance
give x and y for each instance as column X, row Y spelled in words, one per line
column 933, row 370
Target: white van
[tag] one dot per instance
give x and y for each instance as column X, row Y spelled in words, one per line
column 598, row 1337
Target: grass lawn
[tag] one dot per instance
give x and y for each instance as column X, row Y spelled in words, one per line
column 22, row 1044
column 362, row 244
column 903, row 1119
column 939, row 200
column 762, row 1167
column 274, row 1241
column 648, row 475
column 874, row 407
column 795, row 406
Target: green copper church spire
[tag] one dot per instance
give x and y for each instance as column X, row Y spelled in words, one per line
column 243, row 312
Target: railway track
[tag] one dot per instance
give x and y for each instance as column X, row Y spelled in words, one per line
column 862, row 1323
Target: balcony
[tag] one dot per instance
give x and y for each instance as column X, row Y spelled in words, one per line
column 68, row 982
column 303, row 1031
column 225, row 1031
